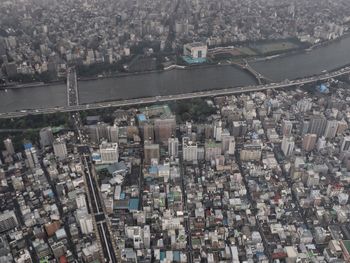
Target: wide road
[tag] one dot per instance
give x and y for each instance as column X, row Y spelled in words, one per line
column 94, row 195
column 209, row 93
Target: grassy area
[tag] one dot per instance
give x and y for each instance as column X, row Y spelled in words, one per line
column 247, row 51
column 275, row 47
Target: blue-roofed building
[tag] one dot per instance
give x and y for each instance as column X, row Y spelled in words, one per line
column 162, row 255
column 176, row 256
column 141, row 117
column 153, row 170
column 322, row 88
column 133, row 204
column 27, row 146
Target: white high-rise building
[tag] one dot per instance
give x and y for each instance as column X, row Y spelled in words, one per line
column 60, row 149
column 228, row 144
column 31, row 155
column 288, row 145
column 81, row 202
column 189, row 150
column 331, row 129
column 9, row 146
column 109, row 152
column 218, row 131
column 321, row 143
column 85, row 221
column 173, row 147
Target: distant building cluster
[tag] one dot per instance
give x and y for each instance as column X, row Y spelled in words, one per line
column 45, row 36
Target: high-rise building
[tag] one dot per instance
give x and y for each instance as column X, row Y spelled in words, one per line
column 46, row 137
column 8, row 221
column 85, row 221
column 9, row 146
column 164, row 129
column 345, row 145
column 309, row 142
column 173, row 147
column 218, row 131
column 229, row 144
column 321, row 143
column 103, row 131
column 212, row 150
column 304, row 105
column 317, row 125
column 147, row 131
column 60, row 149
column 189, row 150
column 151, row 151
column 287, row 145
column 109, row 152
column 239, row 128
column 31, row 155
column 287, row 128
column 331, row 129
column 305, row 127
column 81, row 201
column 113, row 133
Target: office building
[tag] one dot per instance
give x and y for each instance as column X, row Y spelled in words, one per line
column 189, row 150
column 9, row 146
column 46, row 137
column 60, row 149
column 109, row 152
column 173, row 147
column 151, row 152
column 287, row 145
column 309, row 142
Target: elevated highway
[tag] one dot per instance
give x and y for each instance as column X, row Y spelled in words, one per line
column 209, row 93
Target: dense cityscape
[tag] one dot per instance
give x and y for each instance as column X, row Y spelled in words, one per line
column 114, row 146
column 254, row 177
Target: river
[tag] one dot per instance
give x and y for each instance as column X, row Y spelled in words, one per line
column 176, row 81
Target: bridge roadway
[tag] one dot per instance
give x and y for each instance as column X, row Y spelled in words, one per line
column 209, row 93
